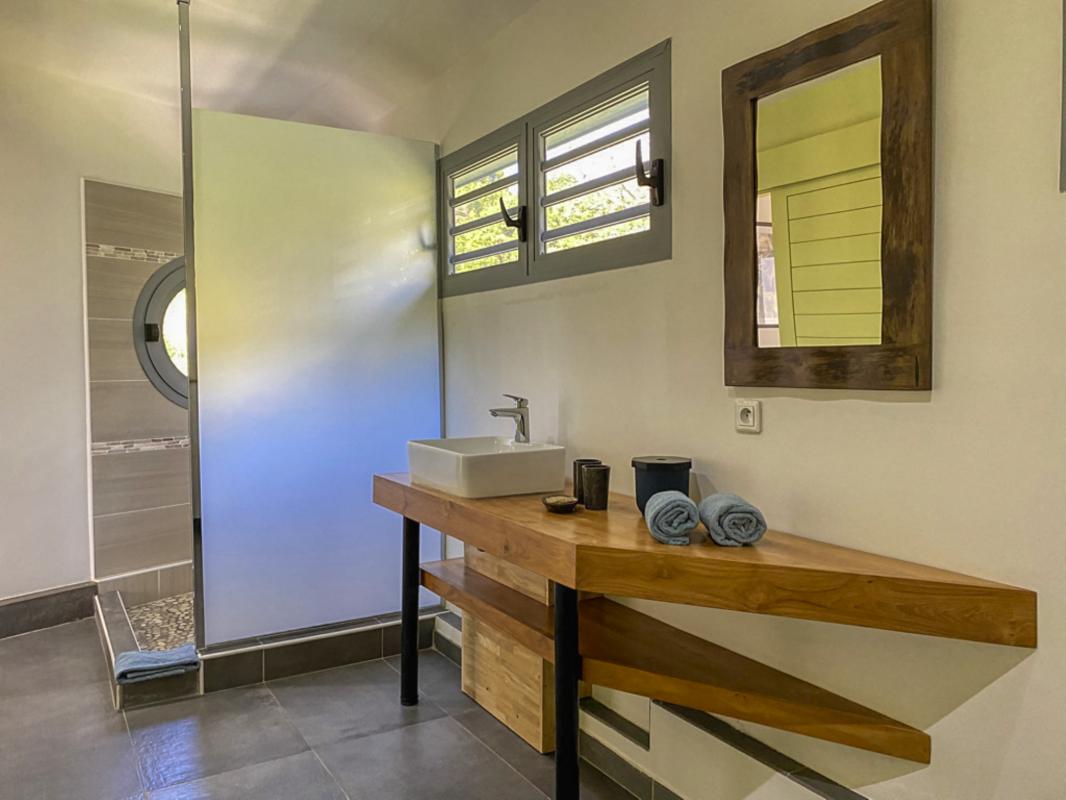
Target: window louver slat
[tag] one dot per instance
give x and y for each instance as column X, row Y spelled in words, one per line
column 475, row 227
column 586, row 175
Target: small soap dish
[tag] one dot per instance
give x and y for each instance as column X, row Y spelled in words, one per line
column 560, row 503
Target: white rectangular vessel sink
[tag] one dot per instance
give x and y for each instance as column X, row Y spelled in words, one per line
column 486, row 466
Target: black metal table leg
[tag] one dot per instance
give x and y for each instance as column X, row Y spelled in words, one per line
column 409, row 615
column 567, row 675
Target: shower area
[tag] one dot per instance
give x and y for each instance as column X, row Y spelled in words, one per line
column 138, row 420
column 245, row 383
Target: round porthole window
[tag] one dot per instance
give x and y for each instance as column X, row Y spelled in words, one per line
column 160, row 333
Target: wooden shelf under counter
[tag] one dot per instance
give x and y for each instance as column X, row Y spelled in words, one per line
column 623, row 649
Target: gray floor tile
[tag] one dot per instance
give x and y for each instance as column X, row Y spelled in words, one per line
column 536, row 768
column 437, row 760
column 55, row 658
column 209, row 735
column 60, row 738
column 300, row 776
column 438, row 679
column 65, row 742
column 358, row 700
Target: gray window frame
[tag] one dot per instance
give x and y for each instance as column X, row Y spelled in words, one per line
column 651, row 67
column 152, row 303
column 511, row 274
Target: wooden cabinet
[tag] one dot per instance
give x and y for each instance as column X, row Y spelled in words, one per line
column 510, row 681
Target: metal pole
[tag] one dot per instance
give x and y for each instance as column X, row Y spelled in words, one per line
column 185, row 61
column 409, row 615
column 567, row 675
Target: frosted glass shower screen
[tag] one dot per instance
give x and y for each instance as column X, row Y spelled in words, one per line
column 317, row 354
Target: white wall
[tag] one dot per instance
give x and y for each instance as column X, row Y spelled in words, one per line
column 54, row 131
column 969, row 477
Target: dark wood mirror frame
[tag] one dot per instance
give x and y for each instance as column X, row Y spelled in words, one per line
column 900, row 31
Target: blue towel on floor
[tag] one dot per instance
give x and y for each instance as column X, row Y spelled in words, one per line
column 731, row 520
column 146, row 665
column 671, row 517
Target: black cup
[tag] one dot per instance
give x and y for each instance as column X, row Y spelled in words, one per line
column 578, row 464
column 596, row 485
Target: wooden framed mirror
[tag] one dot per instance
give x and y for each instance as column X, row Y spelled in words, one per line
column 828, row 206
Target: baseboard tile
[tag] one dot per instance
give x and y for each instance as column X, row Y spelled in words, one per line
column 254, row 661
column 452, row 620
column 447, row 648
column 618, row 769
column 612, row 719
column 819, row 784
column 47, row 609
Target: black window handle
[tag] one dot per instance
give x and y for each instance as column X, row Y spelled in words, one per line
column 654, row 180
column 513, row 222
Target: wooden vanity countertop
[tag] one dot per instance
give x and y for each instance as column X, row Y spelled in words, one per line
column 611, row 552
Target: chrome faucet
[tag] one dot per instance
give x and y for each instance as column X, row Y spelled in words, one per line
column 520, row 413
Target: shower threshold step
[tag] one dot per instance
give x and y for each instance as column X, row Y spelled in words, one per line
column 158, row 625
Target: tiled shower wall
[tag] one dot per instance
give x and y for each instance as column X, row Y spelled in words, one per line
column 142, row 530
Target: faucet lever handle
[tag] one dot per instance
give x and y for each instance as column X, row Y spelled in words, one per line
column 520, row 402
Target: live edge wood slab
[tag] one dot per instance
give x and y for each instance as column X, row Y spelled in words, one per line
column 785, row 575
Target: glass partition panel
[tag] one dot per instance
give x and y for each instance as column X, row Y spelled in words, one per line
column 317, row 359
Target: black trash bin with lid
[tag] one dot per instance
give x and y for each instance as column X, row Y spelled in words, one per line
column 656, row 474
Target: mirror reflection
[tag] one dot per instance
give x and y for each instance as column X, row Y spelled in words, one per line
column 818, row 211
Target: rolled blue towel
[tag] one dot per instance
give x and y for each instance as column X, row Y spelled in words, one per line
column 671, row 517
column 134, row 666
column 731, row 520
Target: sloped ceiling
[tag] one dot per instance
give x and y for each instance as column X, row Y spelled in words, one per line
column 336, row 62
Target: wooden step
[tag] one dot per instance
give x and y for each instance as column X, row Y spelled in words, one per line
column 626, row 650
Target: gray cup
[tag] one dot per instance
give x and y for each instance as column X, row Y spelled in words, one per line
column 596, row 486
column 578, row 464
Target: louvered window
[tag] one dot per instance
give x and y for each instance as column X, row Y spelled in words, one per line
column 588, row 192
column 596, row 185
column 478, row 236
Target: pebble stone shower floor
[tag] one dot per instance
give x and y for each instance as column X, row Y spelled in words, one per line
column 163, row 624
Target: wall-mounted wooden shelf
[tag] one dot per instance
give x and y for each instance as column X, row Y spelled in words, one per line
column 626, row 650
column 785, row 575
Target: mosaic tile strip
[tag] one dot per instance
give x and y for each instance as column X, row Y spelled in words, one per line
column 140, row 445
column 163, row 624
column 93, row 249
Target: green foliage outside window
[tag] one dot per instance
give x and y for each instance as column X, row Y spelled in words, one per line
column 578, row 209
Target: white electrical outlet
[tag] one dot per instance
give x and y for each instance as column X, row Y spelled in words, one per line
column 747, row 416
